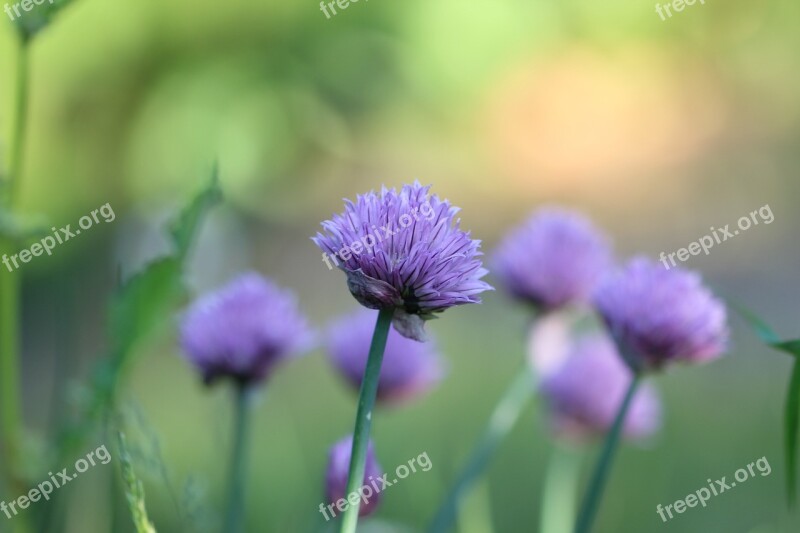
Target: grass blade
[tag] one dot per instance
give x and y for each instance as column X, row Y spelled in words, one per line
column 134, row 491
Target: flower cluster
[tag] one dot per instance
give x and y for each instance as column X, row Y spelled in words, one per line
column 243, row 330
column 557, row 261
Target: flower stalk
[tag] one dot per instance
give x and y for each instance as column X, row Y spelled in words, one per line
column 559, row 494
column 234, row 517
column 503, row 420
column 594, row 493
column 10, row 287
column 17, row 152
column 366, row 403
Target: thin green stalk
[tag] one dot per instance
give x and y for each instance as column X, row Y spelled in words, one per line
column 559, row 498
column 9, row 365
column 503, row 420
column 234, row 517
column 10, row 300
column 594, row 493
column 475, row 513
column 366, row 403
column 17, row 149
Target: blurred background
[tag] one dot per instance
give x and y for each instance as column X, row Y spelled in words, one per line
column 656, row 129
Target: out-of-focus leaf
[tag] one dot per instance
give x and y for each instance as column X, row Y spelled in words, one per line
column 136, row 311
column 184, row 228
column 134, row 491
column 792, row 422
column 767, row 334
column 791, row 347
column 792, row 408
column 761, row 328
column 29, row 23
column 142, row 304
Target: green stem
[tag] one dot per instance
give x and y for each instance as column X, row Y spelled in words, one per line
column 17, row 149
column 503, row 420
column 366, row 402
column 9, row 365
column 10, row 301
column 559, row 496
column 791, row 422
column 594, row 493
column 475, row 511
column 234, row 517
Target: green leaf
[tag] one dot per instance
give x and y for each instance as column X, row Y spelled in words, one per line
column 145, row 302
column 141, row 304
column 137, row 310
column 134, row 491
column 761, row 328
column 791, row 347
column 184, row 228
column 792, row 421
column 29, row 23
column 792, row 408
column 767, row 334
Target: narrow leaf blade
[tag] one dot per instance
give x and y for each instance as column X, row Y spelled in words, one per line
column 792, row 422
column 791, row 347
column 185, row 227
column 764, row 332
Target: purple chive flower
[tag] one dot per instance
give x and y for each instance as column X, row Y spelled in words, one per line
column 404, row 251
column 409, row 368
column 586, row 391
column 243, row 329
column 658, row 316
column 553, row 259
column 337, row 472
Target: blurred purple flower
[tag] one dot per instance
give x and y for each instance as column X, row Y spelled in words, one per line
column 404, row 252
column 586, row 391
column 553, row 259
column 409, row 368
column 243, row 329
column 659, row 316
column 338, row 470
